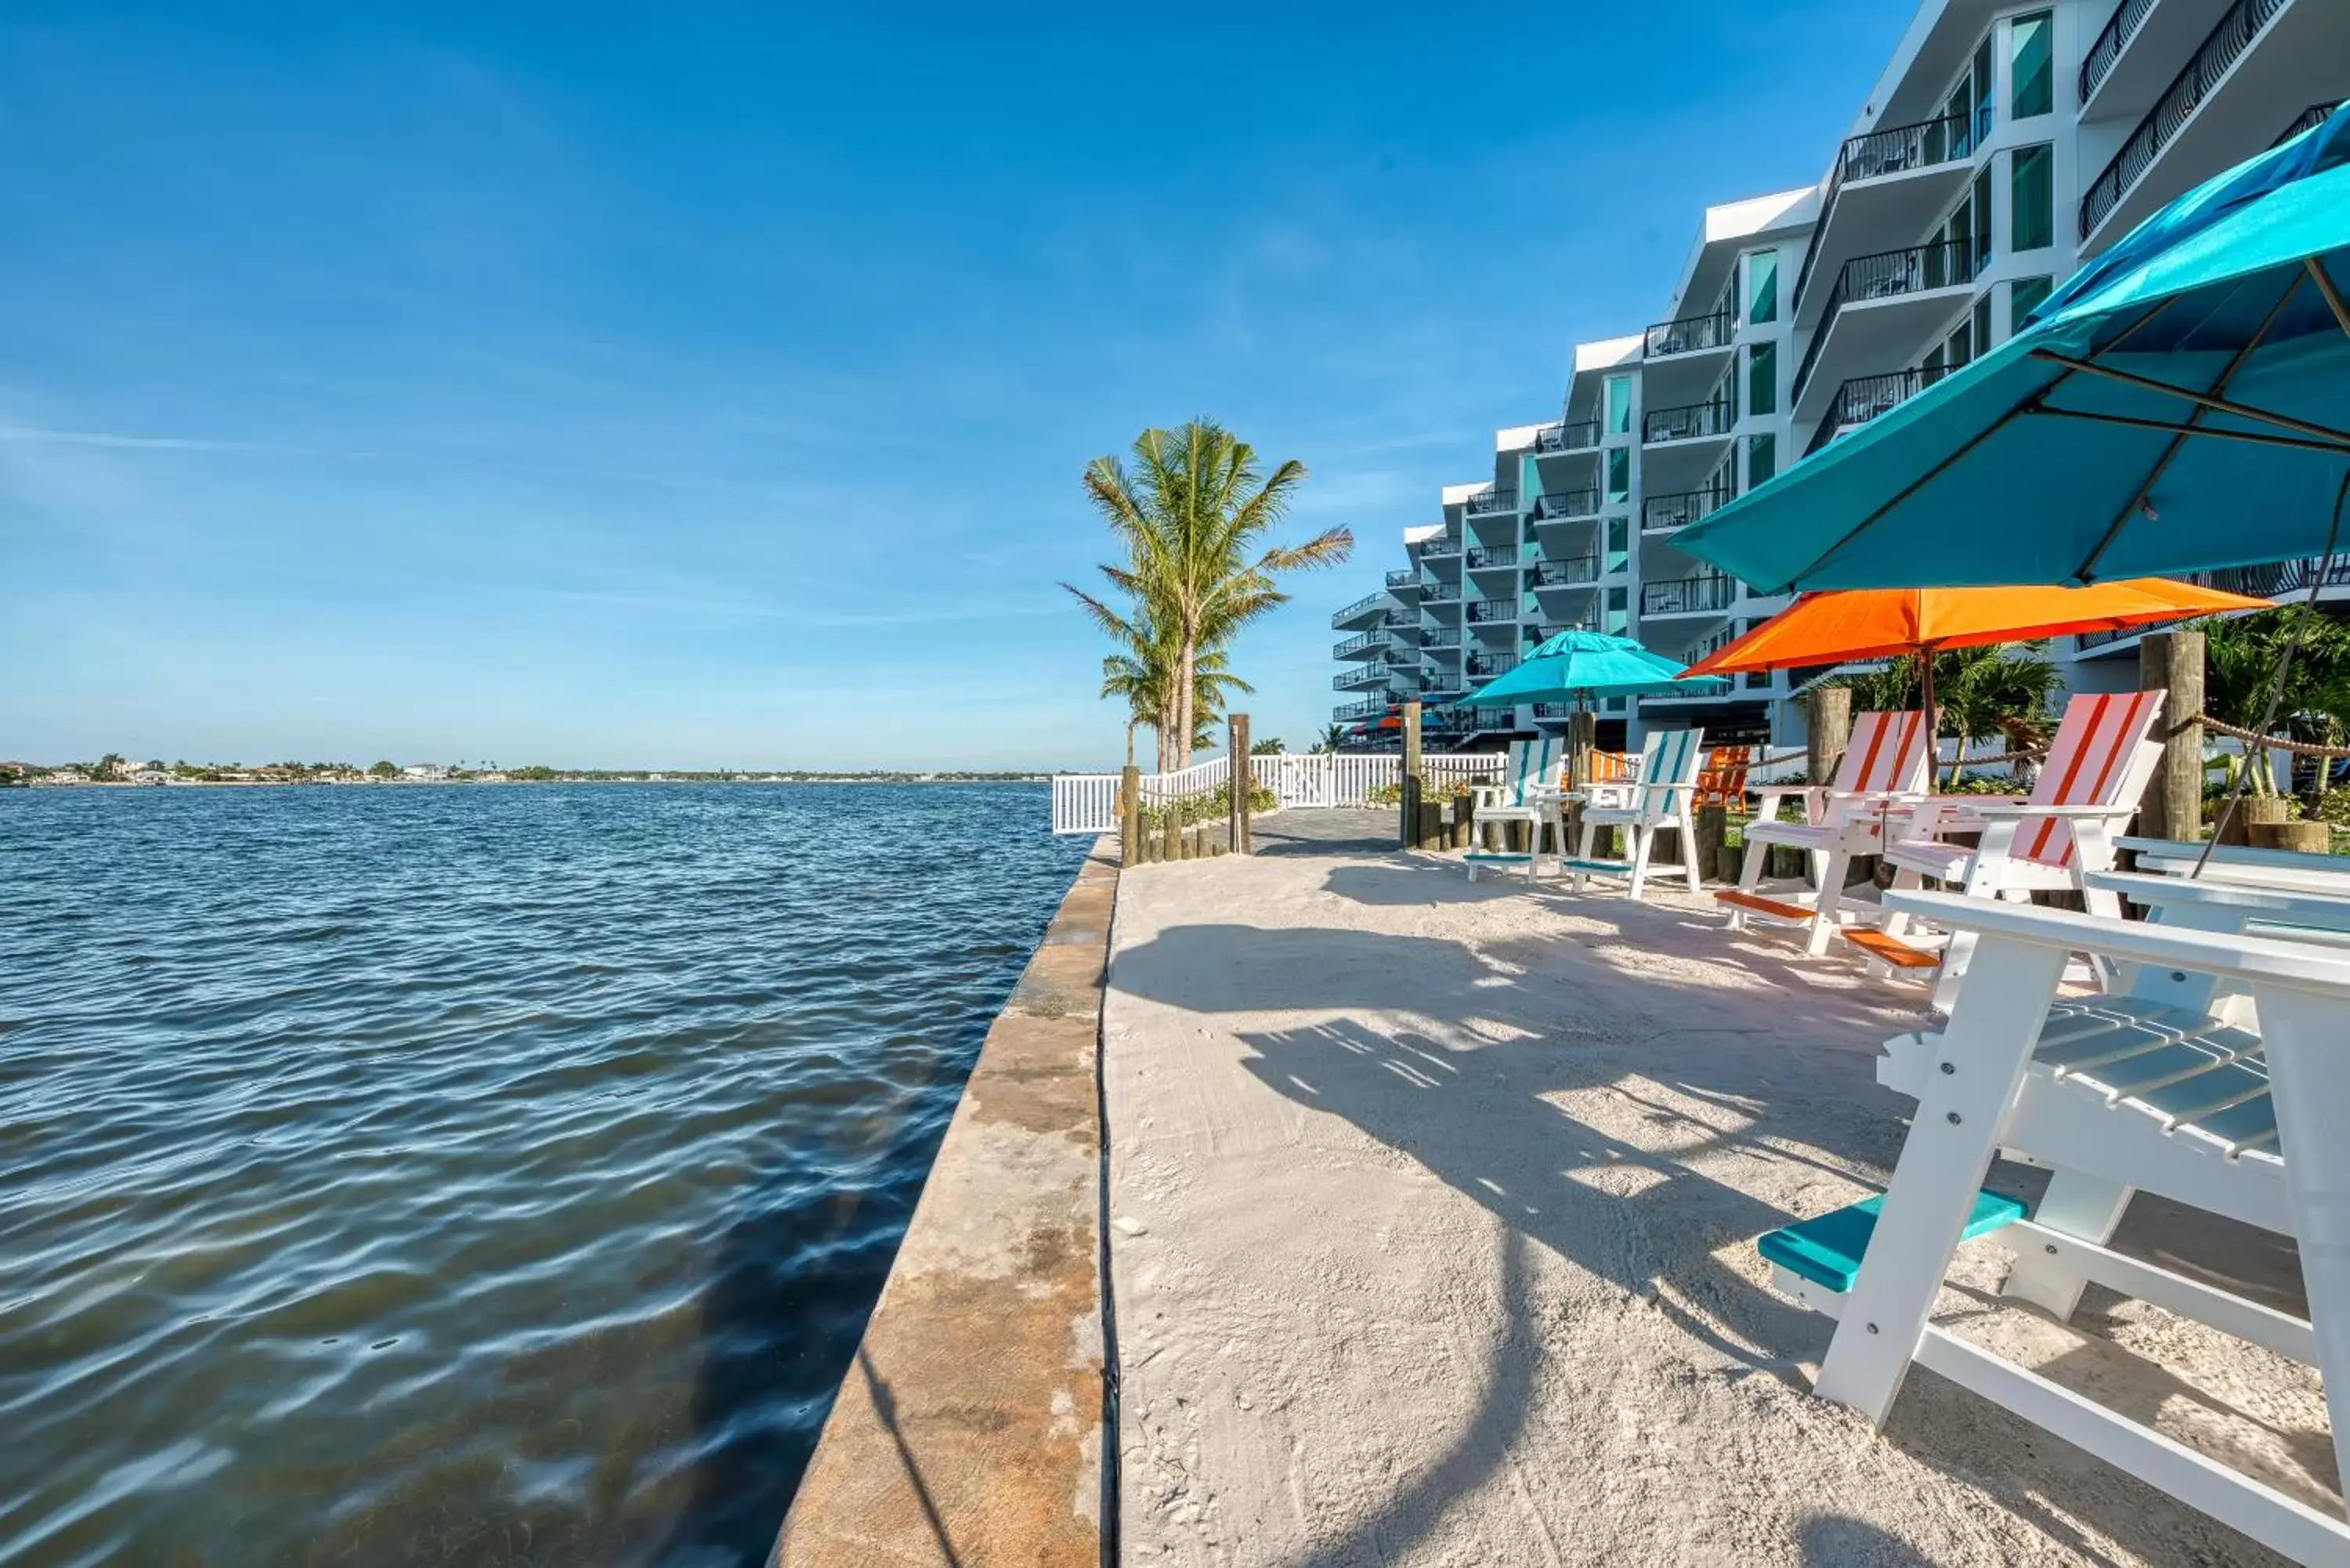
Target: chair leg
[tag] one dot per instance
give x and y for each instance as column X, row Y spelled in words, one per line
column 1831, row 898
column 1750, row 877
column 1897, row 924
column 2078, row 1204
column 1644, row 843
column 1582, row 851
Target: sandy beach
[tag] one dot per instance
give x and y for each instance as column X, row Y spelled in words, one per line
column 1433, row 1213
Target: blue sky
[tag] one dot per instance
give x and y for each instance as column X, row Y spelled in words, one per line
column 709, row 384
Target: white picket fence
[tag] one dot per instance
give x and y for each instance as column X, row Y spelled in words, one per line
column 1087, row 802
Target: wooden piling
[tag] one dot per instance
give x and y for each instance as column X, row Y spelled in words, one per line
column 1171, row 833
column 2172, row 661
column 1408, row 823
column 1129, row 816
column 1242, row 781
column 1712, row 824
column 1830, row 731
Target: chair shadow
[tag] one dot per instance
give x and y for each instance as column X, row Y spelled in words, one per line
column 1650, row 1223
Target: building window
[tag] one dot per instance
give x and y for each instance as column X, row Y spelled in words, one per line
column 1619, row 472
column 1619, row 404
column 1761, row 458
column 1763, row 379
column 2032, row 199
column 1619, row 540
column 1982, row 217
column 2023, row 297
column 2028, row 58
column 1961, row 344
column 1983, row 100
column 1762, row 286
column 1982, row 324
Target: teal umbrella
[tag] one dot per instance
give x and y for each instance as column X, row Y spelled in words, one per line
column 1580, row 664
column 2181, row 404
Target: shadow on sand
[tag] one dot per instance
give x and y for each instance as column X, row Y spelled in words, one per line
column 1648, row 1221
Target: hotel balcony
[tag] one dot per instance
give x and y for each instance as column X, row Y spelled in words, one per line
column 1574, row 572
column 1884, row 310
column 1486, row 666
column 1367, row 677
column 1367, row 611
column 1404, row 585
column 1494, row 570
column 1888, row 184
column 1668, row 514
column 1568, row 436
column 1370, row 645
column 1402, row 622
column 1489, row 612
column 1492, row 503
column 1708, row 593
column 1443, row 640
column 1439, row 546
column 1690, row 421
column 1864, row 397
column 1440, row 594
column 1567, row 506
column 1355, row 713
column 2250, row 67
column 1682, row 446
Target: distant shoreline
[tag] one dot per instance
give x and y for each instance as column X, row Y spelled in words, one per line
column 559, row 778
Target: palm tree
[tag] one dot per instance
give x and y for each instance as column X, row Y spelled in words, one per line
column 1271, row 746
column 1978, row 691
column 2241, row 659
column 1140, row 675
column 1332, row 739
column 1194, row 515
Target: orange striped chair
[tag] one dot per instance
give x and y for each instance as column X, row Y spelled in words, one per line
column 1884, row 770
column 2104, row 756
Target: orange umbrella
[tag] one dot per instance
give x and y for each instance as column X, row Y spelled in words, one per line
column 1880, row 623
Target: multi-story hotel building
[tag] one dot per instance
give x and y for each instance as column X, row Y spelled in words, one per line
column 2004, row 145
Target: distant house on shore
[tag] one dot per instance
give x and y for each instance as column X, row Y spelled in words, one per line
column 426, row 770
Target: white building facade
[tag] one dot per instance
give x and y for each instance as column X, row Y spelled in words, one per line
column 2003, row 146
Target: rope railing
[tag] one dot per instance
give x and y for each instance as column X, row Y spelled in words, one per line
column 2271, row 743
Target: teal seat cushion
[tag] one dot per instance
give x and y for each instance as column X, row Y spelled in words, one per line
column 1827, row 1251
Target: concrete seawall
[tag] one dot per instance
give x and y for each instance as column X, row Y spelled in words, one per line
column 969, row 1428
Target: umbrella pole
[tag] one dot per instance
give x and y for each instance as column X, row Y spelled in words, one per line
column 1933, row 729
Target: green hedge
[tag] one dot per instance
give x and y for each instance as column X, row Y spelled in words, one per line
column 1214, row 806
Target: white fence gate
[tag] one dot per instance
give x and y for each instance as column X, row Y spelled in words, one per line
column 1087, row 802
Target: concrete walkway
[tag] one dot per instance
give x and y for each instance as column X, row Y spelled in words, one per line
column 1432, row 1223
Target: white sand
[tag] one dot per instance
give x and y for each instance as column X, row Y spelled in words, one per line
column 1433, row 1211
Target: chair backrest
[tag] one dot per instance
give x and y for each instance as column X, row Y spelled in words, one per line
column 1889, row 751
column 2104, row 754
column 1722, row 780
column 1532, row 765
column 1672, row 757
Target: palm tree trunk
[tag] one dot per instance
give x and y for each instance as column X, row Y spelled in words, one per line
column 1186, row 700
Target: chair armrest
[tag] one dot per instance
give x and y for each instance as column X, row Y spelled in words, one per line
column 2062, row 812
column 2269, row 961
column 2282, row 905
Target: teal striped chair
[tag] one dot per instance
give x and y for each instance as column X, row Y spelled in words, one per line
column 1664, row 797
column 1533, row 766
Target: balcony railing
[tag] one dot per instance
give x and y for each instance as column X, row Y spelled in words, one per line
column 1441, row 593
column 1368, row 601
column 1864, row 397
column 1485, row 612
column 1400, row 617
column 1361, row 679
column 1567, row 574
column 1896, row 150
column 2309, row 118
column 1951, row 263
column 1354, row 712
column 1557, row 504
column 2221, row 50
column 1686, row 596
column 1485, row 666
column 2277, row 580
column 1355, row 645
column 1450, row 637
column 2112, row 39
column 1492, row 502
column 1690, row 335
column 1689, row 422
column 1400, row 582
column 1485, row 719
column 1681, row 508
column 1483, row 557
column 1570, row 435
column 1445, row 544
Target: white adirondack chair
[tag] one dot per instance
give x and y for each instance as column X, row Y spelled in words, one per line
column 1883, row 768
column 2142, row 1089
column 1532, row 767
column 2287, row 868
column 2097, row 770
column 1663, row 798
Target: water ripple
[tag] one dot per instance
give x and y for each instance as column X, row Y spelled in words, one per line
column 468, row 1174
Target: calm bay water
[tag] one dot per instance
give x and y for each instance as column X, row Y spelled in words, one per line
column 468, row 1174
